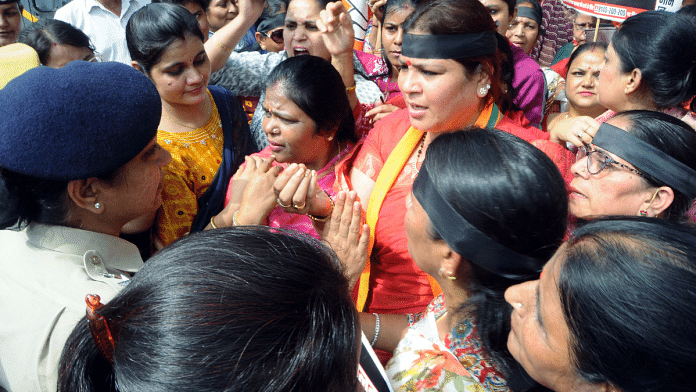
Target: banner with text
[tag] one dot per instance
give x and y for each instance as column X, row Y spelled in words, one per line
column 620, row 10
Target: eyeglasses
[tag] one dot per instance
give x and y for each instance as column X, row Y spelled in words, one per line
column 276, row 36
column 597, row 161
column 582, row 26
column 96, row 57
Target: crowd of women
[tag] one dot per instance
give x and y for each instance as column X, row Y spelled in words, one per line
column 408, row 199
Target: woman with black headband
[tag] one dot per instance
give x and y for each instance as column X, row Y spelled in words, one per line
column 639, row 163
column 460, row 236
column 445, row 90
column 525, row 29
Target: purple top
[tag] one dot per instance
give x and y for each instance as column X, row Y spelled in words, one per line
column 529, row 84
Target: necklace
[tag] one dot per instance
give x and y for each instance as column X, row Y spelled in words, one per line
column 164, row 112
column 414, row 172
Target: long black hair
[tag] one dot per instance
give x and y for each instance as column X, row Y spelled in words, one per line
column 316, row 87
column 154, row 27
column 390, row 7
column 45, row 33
column 253, row 309
column 660, row 44
column 511, row 192
column 627, row 291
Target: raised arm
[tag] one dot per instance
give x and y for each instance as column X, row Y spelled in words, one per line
column 225, row 39
column 337, row 32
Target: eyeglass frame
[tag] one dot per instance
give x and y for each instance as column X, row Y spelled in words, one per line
column 583, row 26
column 586, row 152
column 275, row 32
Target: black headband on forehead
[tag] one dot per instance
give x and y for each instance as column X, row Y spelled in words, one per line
column 647, row 158
column 531, row 13
column 272, row 22
column 467, row 240
column 450, row 46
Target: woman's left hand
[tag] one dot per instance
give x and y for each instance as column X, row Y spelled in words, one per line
column 297, row 192
column 578, row 131
column 380, row 111
column 377, row 7
column 337, row 29
column 347, row 236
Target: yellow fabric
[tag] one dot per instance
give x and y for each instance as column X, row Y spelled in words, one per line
column 16, row 59
column 390, row 171
column 29, row 16
column 196, row 157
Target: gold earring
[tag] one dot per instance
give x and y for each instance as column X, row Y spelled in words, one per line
column 445, row 275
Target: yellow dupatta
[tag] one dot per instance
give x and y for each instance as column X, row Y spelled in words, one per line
column 489, row 117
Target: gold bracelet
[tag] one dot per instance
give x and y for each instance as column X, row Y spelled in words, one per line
column 221, row 45
column 212, row 223
column 234, row 218
column 350, row 89
column 324, row 218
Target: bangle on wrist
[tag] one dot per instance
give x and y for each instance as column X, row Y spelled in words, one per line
column 212, row 223
column 323, row 218
column 374, row 340
column 350, row 89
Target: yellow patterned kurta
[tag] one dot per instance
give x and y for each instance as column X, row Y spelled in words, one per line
column 196, row 157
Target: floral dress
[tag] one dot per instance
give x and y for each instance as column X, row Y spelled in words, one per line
column 423, row 362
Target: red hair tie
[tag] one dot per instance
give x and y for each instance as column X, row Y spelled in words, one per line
column 99, row 327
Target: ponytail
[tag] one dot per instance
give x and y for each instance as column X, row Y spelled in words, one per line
column 82, row 367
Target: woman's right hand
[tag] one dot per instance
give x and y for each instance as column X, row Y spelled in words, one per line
column 250, row 9
column 255, row 183
column 348, row 237
column 578, row 131
column 337, row 29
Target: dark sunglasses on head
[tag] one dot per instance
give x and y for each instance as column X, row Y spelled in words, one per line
column 276, row 36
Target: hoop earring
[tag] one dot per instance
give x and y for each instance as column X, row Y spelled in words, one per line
column 644, row 212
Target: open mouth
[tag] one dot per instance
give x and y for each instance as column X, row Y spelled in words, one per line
column 416, row 107
column 300, row 51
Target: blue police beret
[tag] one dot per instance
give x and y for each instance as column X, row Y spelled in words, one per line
column 83, row 120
